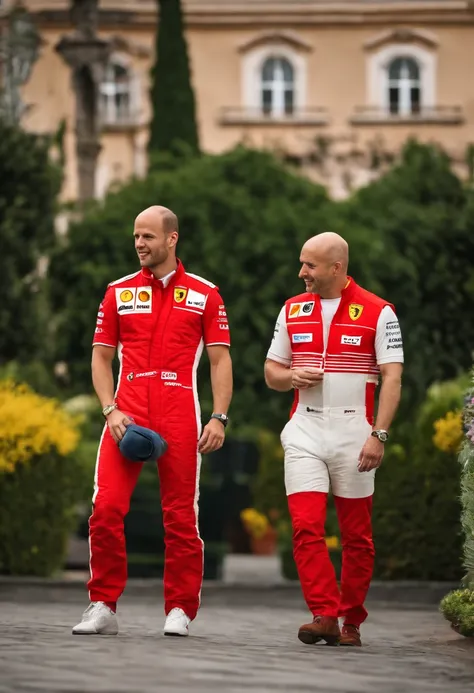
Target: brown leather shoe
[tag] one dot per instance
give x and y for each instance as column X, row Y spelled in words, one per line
column 350, row 636
column 322, row 628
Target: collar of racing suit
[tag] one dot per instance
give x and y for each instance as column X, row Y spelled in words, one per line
column 172, row 277
column 349, row 287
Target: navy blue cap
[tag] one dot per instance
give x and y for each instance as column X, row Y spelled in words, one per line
column 141, row 444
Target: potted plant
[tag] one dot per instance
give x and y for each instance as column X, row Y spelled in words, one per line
column 263, row 535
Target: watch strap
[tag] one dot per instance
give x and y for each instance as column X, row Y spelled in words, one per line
column 381, row 434
column 108, row 409
column 223, row 418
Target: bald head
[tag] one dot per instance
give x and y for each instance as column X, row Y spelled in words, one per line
column 329, row 247
column 156, row 235
column 324, row 260
column 158, row 217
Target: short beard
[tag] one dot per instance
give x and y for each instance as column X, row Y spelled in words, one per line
column 155, row 262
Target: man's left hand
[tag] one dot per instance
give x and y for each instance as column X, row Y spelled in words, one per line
column 371, row 455
column 212, row 437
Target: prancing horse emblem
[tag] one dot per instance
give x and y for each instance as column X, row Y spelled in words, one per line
column 180, row 295
column 355, row 311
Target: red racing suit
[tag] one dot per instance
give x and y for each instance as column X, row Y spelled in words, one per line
column 159, row 328
column 348, row 338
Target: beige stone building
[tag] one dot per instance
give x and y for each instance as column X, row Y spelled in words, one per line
column 331, row 84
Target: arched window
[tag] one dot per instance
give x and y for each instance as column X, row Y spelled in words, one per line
column 404, row 86
column 277, row 87
column 116, row 94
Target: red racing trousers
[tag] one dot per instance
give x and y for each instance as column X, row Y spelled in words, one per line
column 115, row 481
column 316, row 572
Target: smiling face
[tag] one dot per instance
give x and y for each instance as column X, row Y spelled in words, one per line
column 151, row 246
column 154, row 244
column 324, row 261
column 319, row 274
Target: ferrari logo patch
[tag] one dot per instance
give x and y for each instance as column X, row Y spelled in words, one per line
column 355, row 311
column 180, row 294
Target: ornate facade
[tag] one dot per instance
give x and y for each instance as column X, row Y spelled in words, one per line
column 334, row 86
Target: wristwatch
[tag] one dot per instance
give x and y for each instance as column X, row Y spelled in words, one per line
column 108, row 409
column 381, row 435
column 223, row 418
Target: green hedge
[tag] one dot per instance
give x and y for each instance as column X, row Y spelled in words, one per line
column 38, row 503
column 458, row 606
column 417, row 528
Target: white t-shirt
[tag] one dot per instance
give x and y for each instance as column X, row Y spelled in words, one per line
column 329, row 307
column 388, row 338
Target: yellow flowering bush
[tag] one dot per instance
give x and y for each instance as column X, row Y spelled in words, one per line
column 255, row 523
column 32, row 425
column 449, row 432
column 42, row 478
column 332, row 543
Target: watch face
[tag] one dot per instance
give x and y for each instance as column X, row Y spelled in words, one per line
column 383, row 437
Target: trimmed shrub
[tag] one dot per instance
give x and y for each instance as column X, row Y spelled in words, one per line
column 417, row 528
column 40, row 481
column 458, row 606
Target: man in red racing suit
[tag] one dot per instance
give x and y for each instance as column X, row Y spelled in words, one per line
column 159, row 319
column 330, row 345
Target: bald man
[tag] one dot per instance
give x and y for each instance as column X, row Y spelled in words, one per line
column 159, row 319
column 330, row 345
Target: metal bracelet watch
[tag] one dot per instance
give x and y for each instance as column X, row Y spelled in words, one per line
column 223, row 418
column 108, row 409
column 381, row 434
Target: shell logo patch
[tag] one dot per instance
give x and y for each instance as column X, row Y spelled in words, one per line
column 134, row 300
column 126, row 296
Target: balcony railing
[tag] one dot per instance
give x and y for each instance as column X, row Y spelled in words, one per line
column 120, row 120
column 372, row 115
column 256, row 116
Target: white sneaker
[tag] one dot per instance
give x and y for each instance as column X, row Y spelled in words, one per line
column 176, row 623
column 97, row 619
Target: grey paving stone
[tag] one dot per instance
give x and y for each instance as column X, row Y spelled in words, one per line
column 244, row 645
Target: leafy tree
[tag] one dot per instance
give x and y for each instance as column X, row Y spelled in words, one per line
column 29, row 185
column 174, row 113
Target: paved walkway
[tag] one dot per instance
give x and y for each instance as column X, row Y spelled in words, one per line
column 240, row 642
